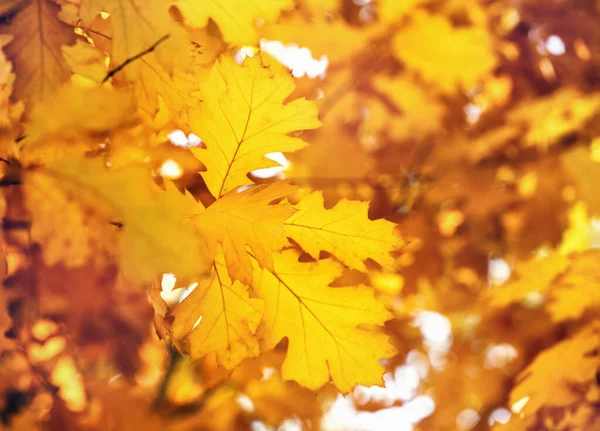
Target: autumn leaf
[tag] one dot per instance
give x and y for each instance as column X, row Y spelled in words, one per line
column 112, row 110
column 431, row 40
column 535, row 276
column 236, row 18
column 38, row 37
column 344, row 231
column 86, row 60
column 329, row 329
column 154, row 237
column 391, row 10
column 242, row 118
column 218, row 316
column 581, row 280
column 252, row 218
column 563, row 367
column 554, row 116
column 136, row 26
column 9, row 112
column 421, row 114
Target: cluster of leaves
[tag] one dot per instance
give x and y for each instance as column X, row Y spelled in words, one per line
column 445, row 139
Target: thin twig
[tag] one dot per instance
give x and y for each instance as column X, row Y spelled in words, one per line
column 174, row 357
column 135, row 57
column 6, row 182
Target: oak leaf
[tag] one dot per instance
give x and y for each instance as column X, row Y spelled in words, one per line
column 35, row 51
column 327, row 328
column 220, row 317
column 154, row 235
column 345, row 231
column 247, row 219
column 242, row 118
column 236, row 18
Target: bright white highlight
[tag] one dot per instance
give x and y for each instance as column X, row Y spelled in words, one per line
column 342, row 416
column 555, row 45
column 178, row 138
column 401, row 385
column 170, row 169
column 437, row 333
column 290, row 425
column 500, row 355
column 500, row 416
column 498, row 271
column 197, row 323
column 172, row 295
column 168, row 292
column 299, row 60
column 275, row 171
column 520, row 405
column 467, row 419
column 472, row 113
column 245, row 403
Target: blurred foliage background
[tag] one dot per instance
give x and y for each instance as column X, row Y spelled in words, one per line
column 471, row 124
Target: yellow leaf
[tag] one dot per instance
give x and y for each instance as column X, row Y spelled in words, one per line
column 318, row 7
column 421, row 113
column 236, row 18
column 81, row 234
column 220, row 317
column 327, row 328
column 576, row 238
column 535, row 276
column 36, row 48
column 242, row 118
column 71, row 111
column 552, row 117
column 578, row 289
column 316, row 162
column 392, row 10
column 344, row 231
column 548, row 380
column 334, row 38
column 430, row 41
column 154, row 236
column 86, row 60
column 136, row 26
column 250, row 219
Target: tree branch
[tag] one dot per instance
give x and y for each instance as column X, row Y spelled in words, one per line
column 135, row 57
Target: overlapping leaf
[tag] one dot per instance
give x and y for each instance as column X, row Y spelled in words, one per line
column 344, row 231
column 236, row 18
column 38, row 36
column 154, row 237
column 136, row 26
column 564, row 368
column 218, row 316
column 252, row 218
column 243, row 117
column 330, row 330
